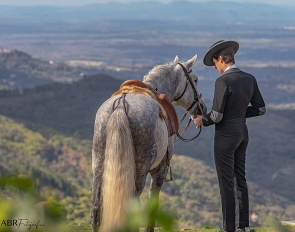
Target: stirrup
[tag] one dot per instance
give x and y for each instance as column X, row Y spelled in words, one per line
column 170, row 177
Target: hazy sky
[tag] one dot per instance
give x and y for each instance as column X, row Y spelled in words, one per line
column 83, row 2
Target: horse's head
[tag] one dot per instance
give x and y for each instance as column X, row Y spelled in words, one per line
column 179, row 83
column 187, row 94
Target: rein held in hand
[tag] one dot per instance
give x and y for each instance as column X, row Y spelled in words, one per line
column 196, row 100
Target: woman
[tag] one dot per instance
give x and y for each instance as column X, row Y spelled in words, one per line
column 236, row 97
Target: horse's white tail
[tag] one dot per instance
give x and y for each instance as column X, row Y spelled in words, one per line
column 118, row 185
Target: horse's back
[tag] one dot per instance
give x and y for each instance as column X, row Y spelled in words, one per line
column 143, row 115
column 142, row 111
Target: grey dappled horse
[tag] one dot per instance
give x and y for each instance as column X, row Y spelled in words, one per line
column 129, row 144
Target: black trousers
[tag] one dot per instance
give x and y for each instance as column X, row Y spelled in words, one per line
column 230, row 144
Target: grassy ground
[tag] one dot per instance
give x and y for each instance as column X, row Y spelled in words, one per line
column 87, row 228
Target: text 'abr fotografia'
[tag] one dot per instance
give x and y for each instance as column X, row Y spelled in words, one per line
column 21, row 223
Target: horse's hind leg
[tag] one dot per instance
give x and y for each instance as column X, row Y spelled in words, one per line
column 96, row 210
column 97, row 167
column 158, row 176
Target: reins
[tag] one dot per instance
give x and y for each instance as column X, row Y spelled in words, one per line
column 196, row 100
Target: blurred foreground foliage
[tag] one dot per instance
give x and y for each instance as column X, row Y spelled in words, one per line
column 24, row 210
column 139, row 215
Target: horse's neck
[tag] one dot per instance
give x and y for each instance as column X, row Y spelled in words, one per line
column 166, row 87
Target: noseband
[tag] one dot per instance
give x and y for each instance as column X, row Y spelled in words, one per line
column 196, row 100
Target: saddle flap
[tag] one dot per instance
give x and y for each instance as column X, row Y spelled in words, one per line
column 172, row 118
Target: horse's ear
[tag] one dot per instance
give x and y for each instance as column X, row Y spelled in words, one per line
column 191, row 61
column 176, row 59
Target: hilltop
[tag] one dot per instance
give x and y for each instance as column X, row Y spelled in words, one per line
column 20, row 70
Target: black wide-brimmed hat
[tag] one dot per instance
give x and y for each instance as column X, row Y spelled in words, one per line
column 216, row 47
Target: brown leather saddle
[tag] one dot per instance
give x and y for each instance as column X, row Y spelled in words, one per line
column 167, row 110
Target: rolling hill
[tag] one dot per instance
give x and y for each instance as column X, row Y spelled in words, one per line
column 60, row 167
column 69, row 109
column 66, row 108
column 20, row 70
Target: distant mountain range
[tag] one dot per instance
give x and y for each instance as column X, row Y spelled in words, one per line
column 201, row 12
column 19, row 70
column 137, row 36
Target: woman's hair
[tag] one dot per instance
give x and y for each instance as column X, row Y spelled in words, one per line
column 228, row 55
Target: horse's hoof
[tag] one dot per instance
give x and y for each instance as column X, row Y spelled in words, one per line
column 94, row 229
column 149, row 229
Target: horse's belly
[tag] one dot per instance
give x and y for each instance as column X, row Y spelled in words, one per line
column 161, row 142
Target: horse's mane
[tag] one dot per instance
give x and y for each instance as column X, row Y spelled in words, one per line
column 162, row 70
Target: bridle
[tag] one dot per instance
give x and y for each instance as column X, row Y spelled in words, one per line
column 197, row 98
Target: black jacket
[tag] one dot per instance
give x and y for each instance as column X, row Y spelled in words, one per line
column 234, row 90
